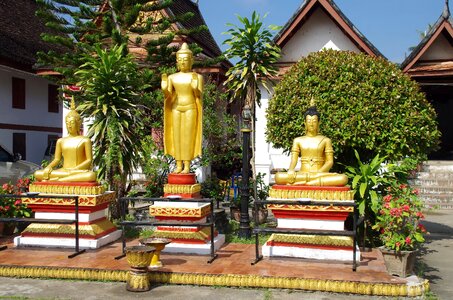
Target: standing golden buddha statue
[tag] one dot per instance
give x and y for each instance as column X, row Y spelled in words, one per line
column 183, row 111
column 316, row 154
column 76, row 152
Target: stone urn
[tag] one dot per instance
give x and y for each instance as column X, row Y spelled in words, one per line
column 159, row 244
column 399, row 263
column 139, row 258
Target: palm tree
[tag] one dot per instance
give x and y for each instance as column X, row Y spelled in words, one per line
column 253, row 46
column 111, row 86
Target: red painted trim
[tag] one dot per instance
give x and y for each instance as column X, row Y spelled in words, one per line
column 311, row 215
column 178, row 218
column 173, row 229
column 310, row 246
column 182, row 178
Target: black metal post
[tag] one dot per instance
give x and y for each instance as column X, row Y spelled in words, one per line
column 244, row 226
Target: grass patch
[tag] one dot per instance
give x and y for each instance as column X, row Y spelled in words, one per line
column 231, row 236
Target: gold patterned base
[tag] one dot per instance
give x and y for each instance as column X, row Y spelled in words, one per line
column 182, row 188
column 183, row 212
column 137, row 282
column 61, row 189
column 84, row 200
column 321, row 195
column 232, row 280
column 201, row 235
column 334, row 241
column 92, row 230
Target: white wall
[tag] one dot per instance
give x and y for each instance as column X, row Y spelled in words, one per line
column 35, row 112
column 441, row 49
column 319, row 32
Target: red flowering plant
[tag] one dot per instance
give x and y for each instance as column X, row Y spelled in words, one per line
column 13, row 207
column 398, row 220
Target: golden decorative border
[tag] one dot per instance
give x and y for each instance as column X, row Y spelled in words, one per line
column 182, row 188
column 179, row 211
column 314, row 207
column 84, row 200
column 231, row 280
column 67, row 189
column 200, row 235
column 88, row 229
column 326, row 240
column 312, row 194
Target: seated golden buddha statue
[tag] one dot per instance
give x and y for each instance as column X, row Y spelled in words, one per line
column 76, row 152
column 316, row 154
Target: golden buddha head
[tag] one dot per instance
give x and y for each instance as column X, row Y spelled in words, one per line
column 312, row 118
column 73, row 119
column 184, row 58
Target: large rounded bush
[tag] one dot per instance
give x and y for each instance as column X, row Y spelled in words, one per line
column 366, row 104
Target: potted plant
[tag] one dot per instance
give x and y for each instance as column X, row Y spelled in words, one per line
column 13, row 207
column 262, row 192
column 400, row 229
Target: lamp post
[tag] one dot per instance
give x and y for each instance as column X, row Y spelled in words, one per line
column 244, row 223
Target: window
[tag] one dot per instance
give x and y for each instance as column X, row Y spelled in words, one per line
column 52, row 98
column 19, row 145
column 18, row 91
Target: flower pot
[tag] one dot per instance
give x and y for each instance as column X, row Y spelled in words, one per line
column 399, row 263
column 7, row 229
column 235, row 213
column 262, row 215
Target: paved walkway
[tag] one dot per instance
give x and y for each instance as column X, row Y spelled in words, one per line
column 437, row 266
column 437, row 255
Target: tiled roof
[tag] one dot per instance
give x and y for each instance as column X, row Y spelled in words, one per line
column 445, row 20
column 204, row 39
column 20, row 32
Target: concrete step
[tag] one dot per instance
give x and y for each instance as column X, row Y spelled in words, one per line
column 434, row 175
column 433, row 189
column 430, row 181
column 437, row 165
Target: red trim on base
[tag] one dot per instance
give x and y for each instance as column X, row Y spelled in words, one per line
column 310, row 246
column 163, row 228
column 310, row 188
column 310, row 215
column 182, row 178
column 178, row 218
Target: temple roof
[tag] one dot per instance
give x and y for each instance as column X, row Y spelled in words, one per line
column 204, row 39
column 331, row 9
column 418, row 62
column 20, row 33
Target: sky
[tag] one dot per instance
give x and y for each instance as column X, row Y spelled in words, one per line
column 392, row 26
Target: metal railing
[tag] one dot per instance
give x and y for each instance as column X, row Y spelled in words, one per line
column 123, row 202
column 75, row 221
column 352, row 233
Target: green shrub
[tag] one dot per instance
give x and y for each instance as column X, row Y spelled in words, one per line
column 366, row 104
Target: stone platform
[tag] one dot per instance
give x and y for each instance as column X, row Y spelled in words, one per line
column 232, row 268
